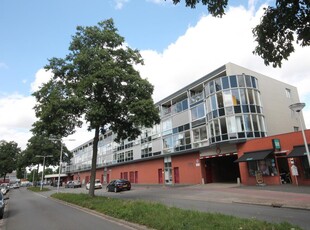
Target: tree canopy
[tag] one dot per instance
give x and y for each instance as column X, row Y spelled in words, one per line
column 279, row 27
column 9, row 152
column 40, row 145
column 97, row 81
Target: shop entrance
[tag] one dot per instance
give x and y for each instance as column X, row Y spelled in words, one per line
column 222, row 169
column 284, row 170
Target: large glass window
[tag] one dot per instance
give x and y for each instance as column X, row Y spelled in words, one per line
column 200, row 134
column 220, row 101
column 248, row 81
column 235, row 96
column 233, row 81
column 227, row 98
column 241, row 82
column 211, row 84
column 167, row 127
column 218, row 85
column 167, row 142
column 198, row 112
column 267, row 167
column 181, row 106
column 225, row 82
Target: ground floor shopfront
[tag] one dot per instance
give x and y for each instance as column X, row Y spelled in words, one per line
column 275, row 160
column 255, row 161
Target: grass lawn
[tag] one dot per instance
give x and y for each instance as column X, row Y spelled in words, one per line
column 159, row 216
column 37, row 189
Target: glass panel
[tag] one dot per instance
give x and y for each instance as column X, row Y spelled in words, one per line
column 213, row 102
column 231, row 124
column 211, row 129
column 253, row 82
column 255, row 123
column 211, row 83
column 216, row 127
column 247, row 123
column 244, row 99
column 207, row 89
column 203, row 133
column 257, row 97
column 208, row 103
column 233, row 81
column 200, row 110
column 241, row 82
column 262, row 124
column 220, row 101
column 225, row 82
column 229, row 110
column 227, row 98
column 235, row 96
column 251, row 98
column 167, row 142
column 185, row 104
column 218, row 85
column 223, row 126
column 239, row 122
column 248, row 81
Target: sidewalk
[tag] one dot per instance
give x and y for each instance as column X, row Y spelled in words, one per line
column 289, row 196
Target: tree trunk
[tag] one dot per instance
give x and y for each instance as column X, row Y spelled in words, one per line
column 94, row 163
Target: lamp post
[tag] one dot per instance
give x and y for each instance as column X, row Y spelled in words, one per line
column 43, row 168
column 60, row 158
column 297, row 107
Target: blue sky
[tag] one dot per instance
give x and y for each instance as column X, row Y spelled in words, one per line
column 178, row 45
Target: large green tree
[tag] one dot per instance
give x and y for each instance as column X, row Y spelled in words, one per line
column 42, row 146
column 9, row 152
column 96, row 81
column 282, row 24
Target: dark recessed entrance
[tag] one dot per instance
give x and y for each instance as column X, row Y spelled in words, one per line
column 222, row 169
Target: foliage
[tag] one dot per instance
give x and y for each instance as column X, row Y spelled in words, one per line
column 9, row 152
column 279, row 27
column 42, row 146
column 96, row 80
column 159, row 216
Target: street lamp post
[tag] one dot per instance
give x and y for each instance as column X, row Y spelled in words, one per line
column 60, row 159
column 43, row 168
column 297, row 107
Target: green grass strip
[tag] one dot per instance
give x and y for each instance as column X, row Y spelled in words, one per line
column 159, row 216
column 38, row 189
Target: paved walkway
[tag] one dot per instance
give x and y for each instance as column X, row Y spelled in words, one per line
column 289, row 196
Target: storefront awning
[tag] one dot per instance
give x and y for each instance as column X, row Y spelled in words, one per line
column 254, row 156
column 298, row 151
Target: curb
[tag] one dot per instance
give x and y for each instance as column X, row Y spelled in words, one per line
column 274, row 205
column 121, row 222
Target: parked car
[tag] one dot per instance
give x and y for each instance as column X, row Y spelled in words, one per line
column 2, row 204
column 118, row 185
column 73, row 184
column 98, row 184
column 4, row 189
column 15, row 186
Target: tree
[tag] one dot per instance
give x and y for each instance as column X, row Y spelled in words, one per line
column 279, row 27
column 40, row 145
column 97, row 81
column 9, row 152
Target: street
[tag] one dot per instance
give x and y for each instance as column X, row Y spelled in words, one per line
column 29, row 210
column 227, row 199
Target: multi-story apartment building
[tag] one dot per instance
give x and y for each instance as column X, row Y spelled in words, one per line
column 200, row 129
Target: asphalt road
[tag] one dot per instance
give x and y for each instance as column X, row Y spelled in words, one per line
column 43, row 213
column 29, row 210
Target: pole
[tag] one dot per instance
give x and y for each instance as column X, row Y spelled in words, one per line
column 60, row 164
column 42, row 174
column 305, row 140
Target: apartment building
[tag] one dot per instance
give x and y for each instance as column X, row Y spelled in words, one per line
column 202, row 126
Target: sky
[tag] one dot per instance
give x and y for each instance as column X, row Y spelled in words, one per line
column 178, row 44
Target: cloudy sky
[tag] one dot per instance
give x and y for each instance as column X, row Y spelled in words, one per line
column 178, row 44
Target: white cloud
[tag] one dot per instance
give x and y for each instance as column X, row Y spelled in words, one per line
column 119, row 4
column 204, row 47
column 17, row 117
column 42, row 76
column 213, row 42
